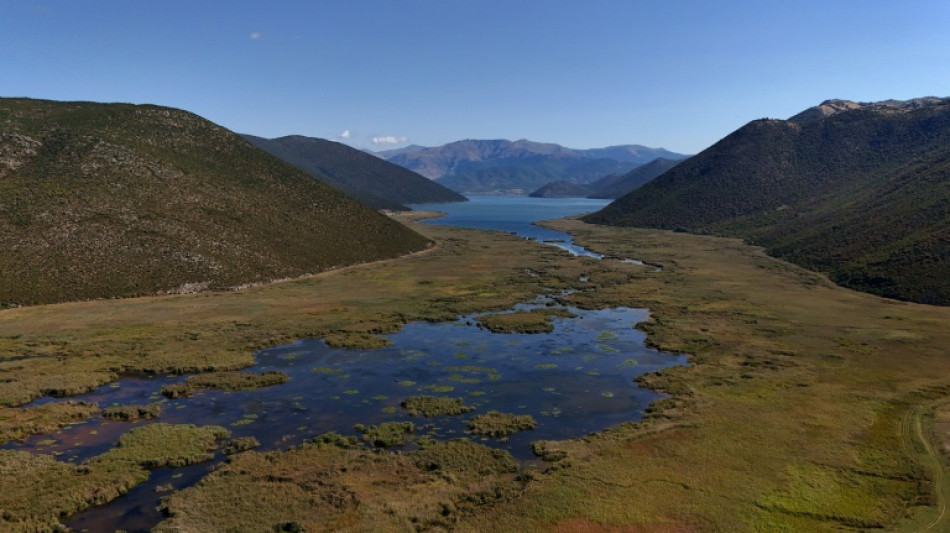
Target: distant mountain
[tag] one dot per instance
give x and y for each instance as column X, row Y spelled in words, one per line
column 371, row 180
column 519, row 166
column 858, row 190
column 615, row 186
column 116, row 200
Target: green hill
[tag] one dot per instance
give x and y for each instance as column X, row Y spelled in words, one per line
column 116, row 200
column 859, row 191
column 371, row 180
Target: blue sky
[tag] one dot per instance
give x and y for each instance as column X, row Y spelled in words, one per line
column 591, row 73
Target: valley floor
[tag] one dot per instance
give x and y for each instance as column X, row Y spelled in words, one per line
column 806, row 407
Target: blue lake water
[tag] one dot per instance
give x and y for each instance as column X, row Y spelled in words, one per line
column 576, row 380
column 516, row 214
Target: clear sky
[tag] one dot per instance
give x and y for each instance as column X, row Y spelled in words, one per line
column 582, row 73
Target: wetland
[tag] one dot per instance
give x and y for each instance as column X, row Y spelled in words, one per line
column 804, row 406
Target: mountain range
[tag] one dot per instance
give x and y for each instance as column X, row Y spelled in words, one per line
column 519, row 167
column 117, row 200
column 371, row 180
column 860, row 191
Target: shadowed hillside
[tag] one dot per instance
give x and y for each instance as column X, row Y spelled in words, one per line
column 616, row 186
column 371, row 180
column 859, row 191
column 115, row 200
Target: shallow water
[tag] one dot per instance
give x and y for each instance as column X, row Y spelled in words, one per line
column 573, row 381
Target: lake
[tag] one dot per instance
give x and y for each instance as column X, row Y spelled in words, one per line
column 575, row 380
column 516, row 214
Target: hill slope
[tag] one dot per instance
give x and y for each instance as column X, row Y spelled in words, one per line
column 519, row 166
column 111, row 200
column 371, row 180
column 615, row 186
column 860, row 191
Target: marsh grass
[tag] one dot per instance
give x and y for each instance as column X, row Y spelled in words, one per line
column 498, row 424
column 795, row 394
column 432, row 406
column 232, row 381
column 790, row 417
column 533, row 321
column 129, row 413
column 17, row 424
column 387, row 434
column 37, row 490
column 326, row 487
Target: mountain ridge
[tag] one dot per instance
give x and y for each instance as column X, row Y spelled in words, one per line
column 478, row 165
column 859, row 191
column 371, row 180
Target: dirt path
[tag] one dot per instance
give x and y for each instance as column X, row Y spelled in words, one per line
column 918, row 441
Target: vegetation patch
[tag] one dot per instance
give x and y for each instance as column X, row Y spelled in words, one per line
column 326, row 487
column 160, row 444
column 498, row 424
column 36, row 491
column 431, row 406
column 129, row 413
column 241, row 444
column 232, row 381
column 387, row 434
column 533, row 321
column 177, row 390
column 18, row 424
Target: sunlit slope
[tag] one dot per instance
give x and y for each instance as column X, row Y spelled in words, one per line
column 115, row 200
column 859, row 191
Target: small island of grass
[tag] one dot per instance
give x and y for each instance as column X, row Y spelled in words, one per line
column 533, row 321
column 431, row 406
column 232, row 381
column 498, row 424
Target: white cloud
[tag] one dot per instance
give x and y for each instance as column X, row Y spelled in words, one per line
column 346, row 134
column 256, row 36
column 390, row 139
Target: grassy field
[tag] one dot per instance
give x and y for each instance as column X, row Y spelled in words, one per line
column 807, row 407
column 796, row 414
